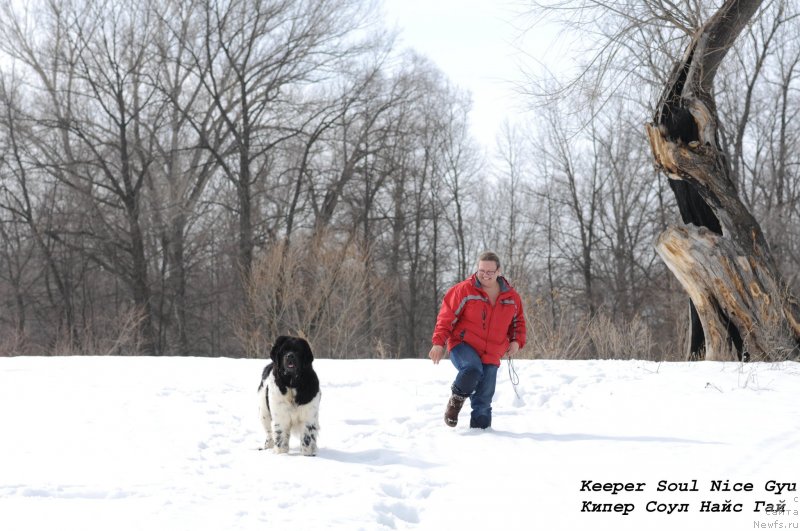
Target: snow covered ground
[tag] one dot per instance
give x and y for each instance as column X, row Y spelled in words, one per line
column 172, row 444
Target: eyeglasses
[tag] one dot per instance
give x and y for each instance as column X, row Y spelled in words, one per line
column 484, row 273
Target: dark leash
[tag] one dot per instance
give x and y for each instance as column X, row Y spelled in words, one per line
column 513, row 376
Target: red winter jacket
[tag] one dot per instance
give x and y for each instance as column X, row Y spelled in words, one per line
column 468, row 316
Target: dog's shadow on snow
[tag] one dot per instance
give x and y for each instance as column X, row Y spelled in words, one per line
column 578, row 437
column 377, row 457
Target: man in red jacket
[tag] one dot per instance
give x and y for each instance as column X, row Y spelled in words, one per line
column 481, row 320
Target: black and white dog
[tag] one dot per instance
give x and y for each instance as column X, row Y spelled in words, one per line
column 289, row 396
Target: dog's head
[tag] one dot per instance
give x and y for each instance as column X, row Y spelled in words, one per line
column 291, row 356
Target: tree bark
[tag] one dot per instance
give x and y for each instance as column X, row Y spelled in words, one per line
column 724, row 262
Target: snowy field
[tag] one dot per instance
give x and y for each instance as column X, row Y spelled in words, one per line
column 172, row 444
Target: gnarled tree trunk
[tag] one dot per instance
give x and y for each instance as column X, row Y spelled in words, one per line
column 740, row 308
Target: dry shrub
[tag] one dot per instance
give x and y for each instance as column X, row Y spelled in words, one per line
column 680, row 349
column 320, row 289
column 553, row 332
column 556, row 331
column 774, row 339
column 381, row 351
column 13, row 343
column 108, row 335
column 630, row 339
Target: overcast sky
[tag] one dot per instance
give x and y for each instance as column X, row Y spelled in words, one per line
column 476, row 45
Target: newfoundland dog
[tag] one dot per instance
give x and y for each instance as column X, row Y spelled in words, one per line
column 289, row 395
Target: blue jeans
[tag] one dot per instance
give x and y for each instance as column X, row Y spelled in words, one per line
column 475, row 380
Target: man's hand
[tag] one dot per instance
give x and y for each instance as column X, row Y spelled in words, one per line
column 513, row 348
column 437, row 352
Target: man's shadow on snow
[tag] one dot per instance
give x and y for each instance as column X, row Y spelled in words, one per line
column 577, row 437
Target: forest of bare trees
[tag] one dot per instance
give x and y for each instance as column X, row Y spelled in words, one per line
column 195, row 177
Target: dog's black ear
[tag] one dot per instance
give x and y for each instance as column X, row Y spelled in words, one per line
column 276, row 347
column 307, row 348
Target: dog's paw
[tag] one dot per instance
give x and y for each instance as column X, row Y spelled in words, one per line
column 309, row 448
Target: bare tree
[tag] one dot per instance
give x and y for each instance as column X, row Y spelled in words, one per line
column 460, row 166
column 511, row 228
column 739, row 305
column 751, row 60
column 257, row 54
column 91, row 71
column 181, row 168
column 159, row 146
column 628, row 217
column 576, row 186
column 722, row 259
column 23, row 199
column 16, row 258
column 415, row 202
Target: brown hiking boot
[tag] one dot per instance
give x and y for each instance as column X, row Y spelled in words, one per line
column 453, row 408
